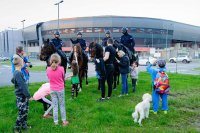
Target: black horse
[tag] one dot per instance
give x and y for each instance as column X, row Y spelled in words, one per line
column 48, row 49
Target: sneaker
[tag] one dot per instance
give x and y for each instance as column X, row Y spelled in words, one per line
column 165, row 112
column 120, row 95
column 155, row 113
column 101, row 100
column 16, row 130
column 47, row 116
column 55, row 123
column 65, row 123
column 127, row 94
column 107, row 98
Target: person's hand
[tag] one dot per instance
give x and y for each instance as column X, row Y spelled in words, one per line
column 31, row 99
column 97, row 60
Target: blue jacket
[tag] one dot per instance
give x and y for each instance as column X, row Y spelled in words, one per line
column 24, row 68
column 57, row 42
column 81, row 42
column 153, row 72
column 128, row 41
column 124, row 65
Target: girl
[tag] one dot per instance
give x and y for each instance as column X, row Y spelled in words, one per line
column 134, row 75
column 74, row 78
column 55, row 74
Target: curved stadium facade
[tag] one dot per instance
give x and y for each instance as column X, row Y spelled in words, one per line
column 147, row 32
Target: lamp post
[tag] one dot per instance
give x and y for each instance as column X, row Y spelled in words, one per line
column 58, row 11
column 12, row 37
column 23, row 33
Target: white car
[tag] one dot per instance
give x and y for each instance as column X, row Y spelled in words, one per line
column 3, row 58
column 180, row 58
column 146, row 60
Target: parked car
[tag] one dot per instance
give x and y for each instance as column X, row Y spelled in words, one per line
column 144, row 60
column 3, row 58
column 180, row 58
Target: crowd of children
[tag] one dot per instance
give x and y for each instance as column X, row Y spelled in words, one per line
column 56, row 87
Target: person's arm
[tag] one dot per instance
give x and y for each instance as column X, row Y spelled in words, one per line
column 22, row 85
column 84, row 45
column 74, row 41
column 106, row 57
column 150, row 69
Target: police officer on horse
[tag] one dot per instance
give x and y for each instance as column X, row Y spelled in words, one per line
column 82, row 43
column 104, row 40
column 56, row 41
column 128, row 41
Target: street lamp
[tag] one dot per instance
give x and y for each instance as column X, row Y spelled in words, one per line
column 58, row 11
column 12, row 37
column 23, row 33
column 167, row 39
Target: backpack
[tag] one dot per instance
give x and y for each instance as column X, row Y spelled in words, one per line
column 161, row 83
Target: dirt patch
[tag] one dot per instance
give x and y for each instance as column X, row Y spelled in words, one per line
column 176, row 94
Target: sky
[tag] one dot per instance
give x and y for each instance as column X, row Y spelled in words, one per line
column 12, row 12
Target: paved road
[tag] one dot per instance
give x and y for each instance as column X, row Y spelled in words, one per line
column 5, row 71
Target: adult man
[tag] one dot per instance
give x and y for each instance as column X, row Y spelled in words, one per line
column 56, row 41
column 79, row 40
column 109, row 58
column 104, row 40
column 128, row 41
column 26, row 63
column 82, row 43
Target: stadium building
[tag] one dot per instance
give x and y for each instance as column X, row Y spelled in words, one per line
column 168, row 38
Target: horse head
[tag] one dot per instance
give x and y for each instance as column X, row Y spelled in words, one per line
column 46, row 50
column 95, row 50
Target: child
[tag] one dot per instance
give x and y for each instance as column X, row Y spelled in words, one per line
column 124, row 70
column 74, row 78
column 157, row 92
column 134, row 74
column 22, row 94
column 26, row 63
column 55, row 74
column 39, row 96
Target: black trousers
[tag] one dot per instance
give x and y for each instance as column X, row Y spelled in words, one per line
column 74, row 88
column 109, row 77
column 134, row 81
column 45, row 104
column 102, row 86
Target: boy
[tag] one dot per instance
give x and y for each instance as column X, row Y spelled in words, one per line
column 159, row 79
column 22, row 94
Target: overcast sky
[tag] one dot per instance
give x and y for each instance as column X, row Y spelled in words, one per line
column 34, row 11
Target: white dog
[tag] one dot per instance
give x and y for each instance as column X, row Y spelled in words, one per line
column 142, row 108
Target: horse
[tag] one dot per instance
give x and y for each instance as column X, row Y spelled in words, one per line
column 96, row 52
column 82, row 63
column 47, row 50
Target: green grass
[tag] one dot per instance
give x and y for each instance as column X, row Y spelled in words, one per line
column 37, row 69
column 198, row 68
column 87, row 116
column 5, row 62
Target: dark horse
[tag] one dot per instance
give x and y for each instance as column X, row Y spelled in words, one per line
column 82, row 63
column 48, row 49
column 96, row 52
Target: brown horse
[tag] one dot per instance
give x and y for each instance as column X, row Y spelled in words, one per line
column 78, row 57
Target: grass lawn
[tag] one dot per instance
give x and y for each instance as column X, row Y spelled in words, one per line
column 37, row 68
column 87, row 116
column 198, row 68
column 5, row 62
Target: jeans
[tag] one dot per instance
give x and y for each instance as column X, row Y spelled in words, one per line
column 134, row 81
column 124, row 84
column 155, row 100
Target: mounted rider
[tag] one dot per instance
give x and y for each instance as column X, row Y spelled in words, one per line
column 128, row 41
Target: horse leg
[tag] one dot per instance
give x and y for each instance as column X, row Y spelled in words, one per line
column 86, row 77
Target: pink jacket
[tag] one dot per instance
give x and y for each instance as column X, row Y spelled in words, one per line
column 56, row 78
column 43, row 91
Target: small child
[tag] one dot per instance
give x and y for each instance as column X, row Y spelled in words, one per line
column 55, row 74
column 39, row 96
column 134, row 74
column 124, row 70
column 22, row 94
column 74, row 78
column 158, row 90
